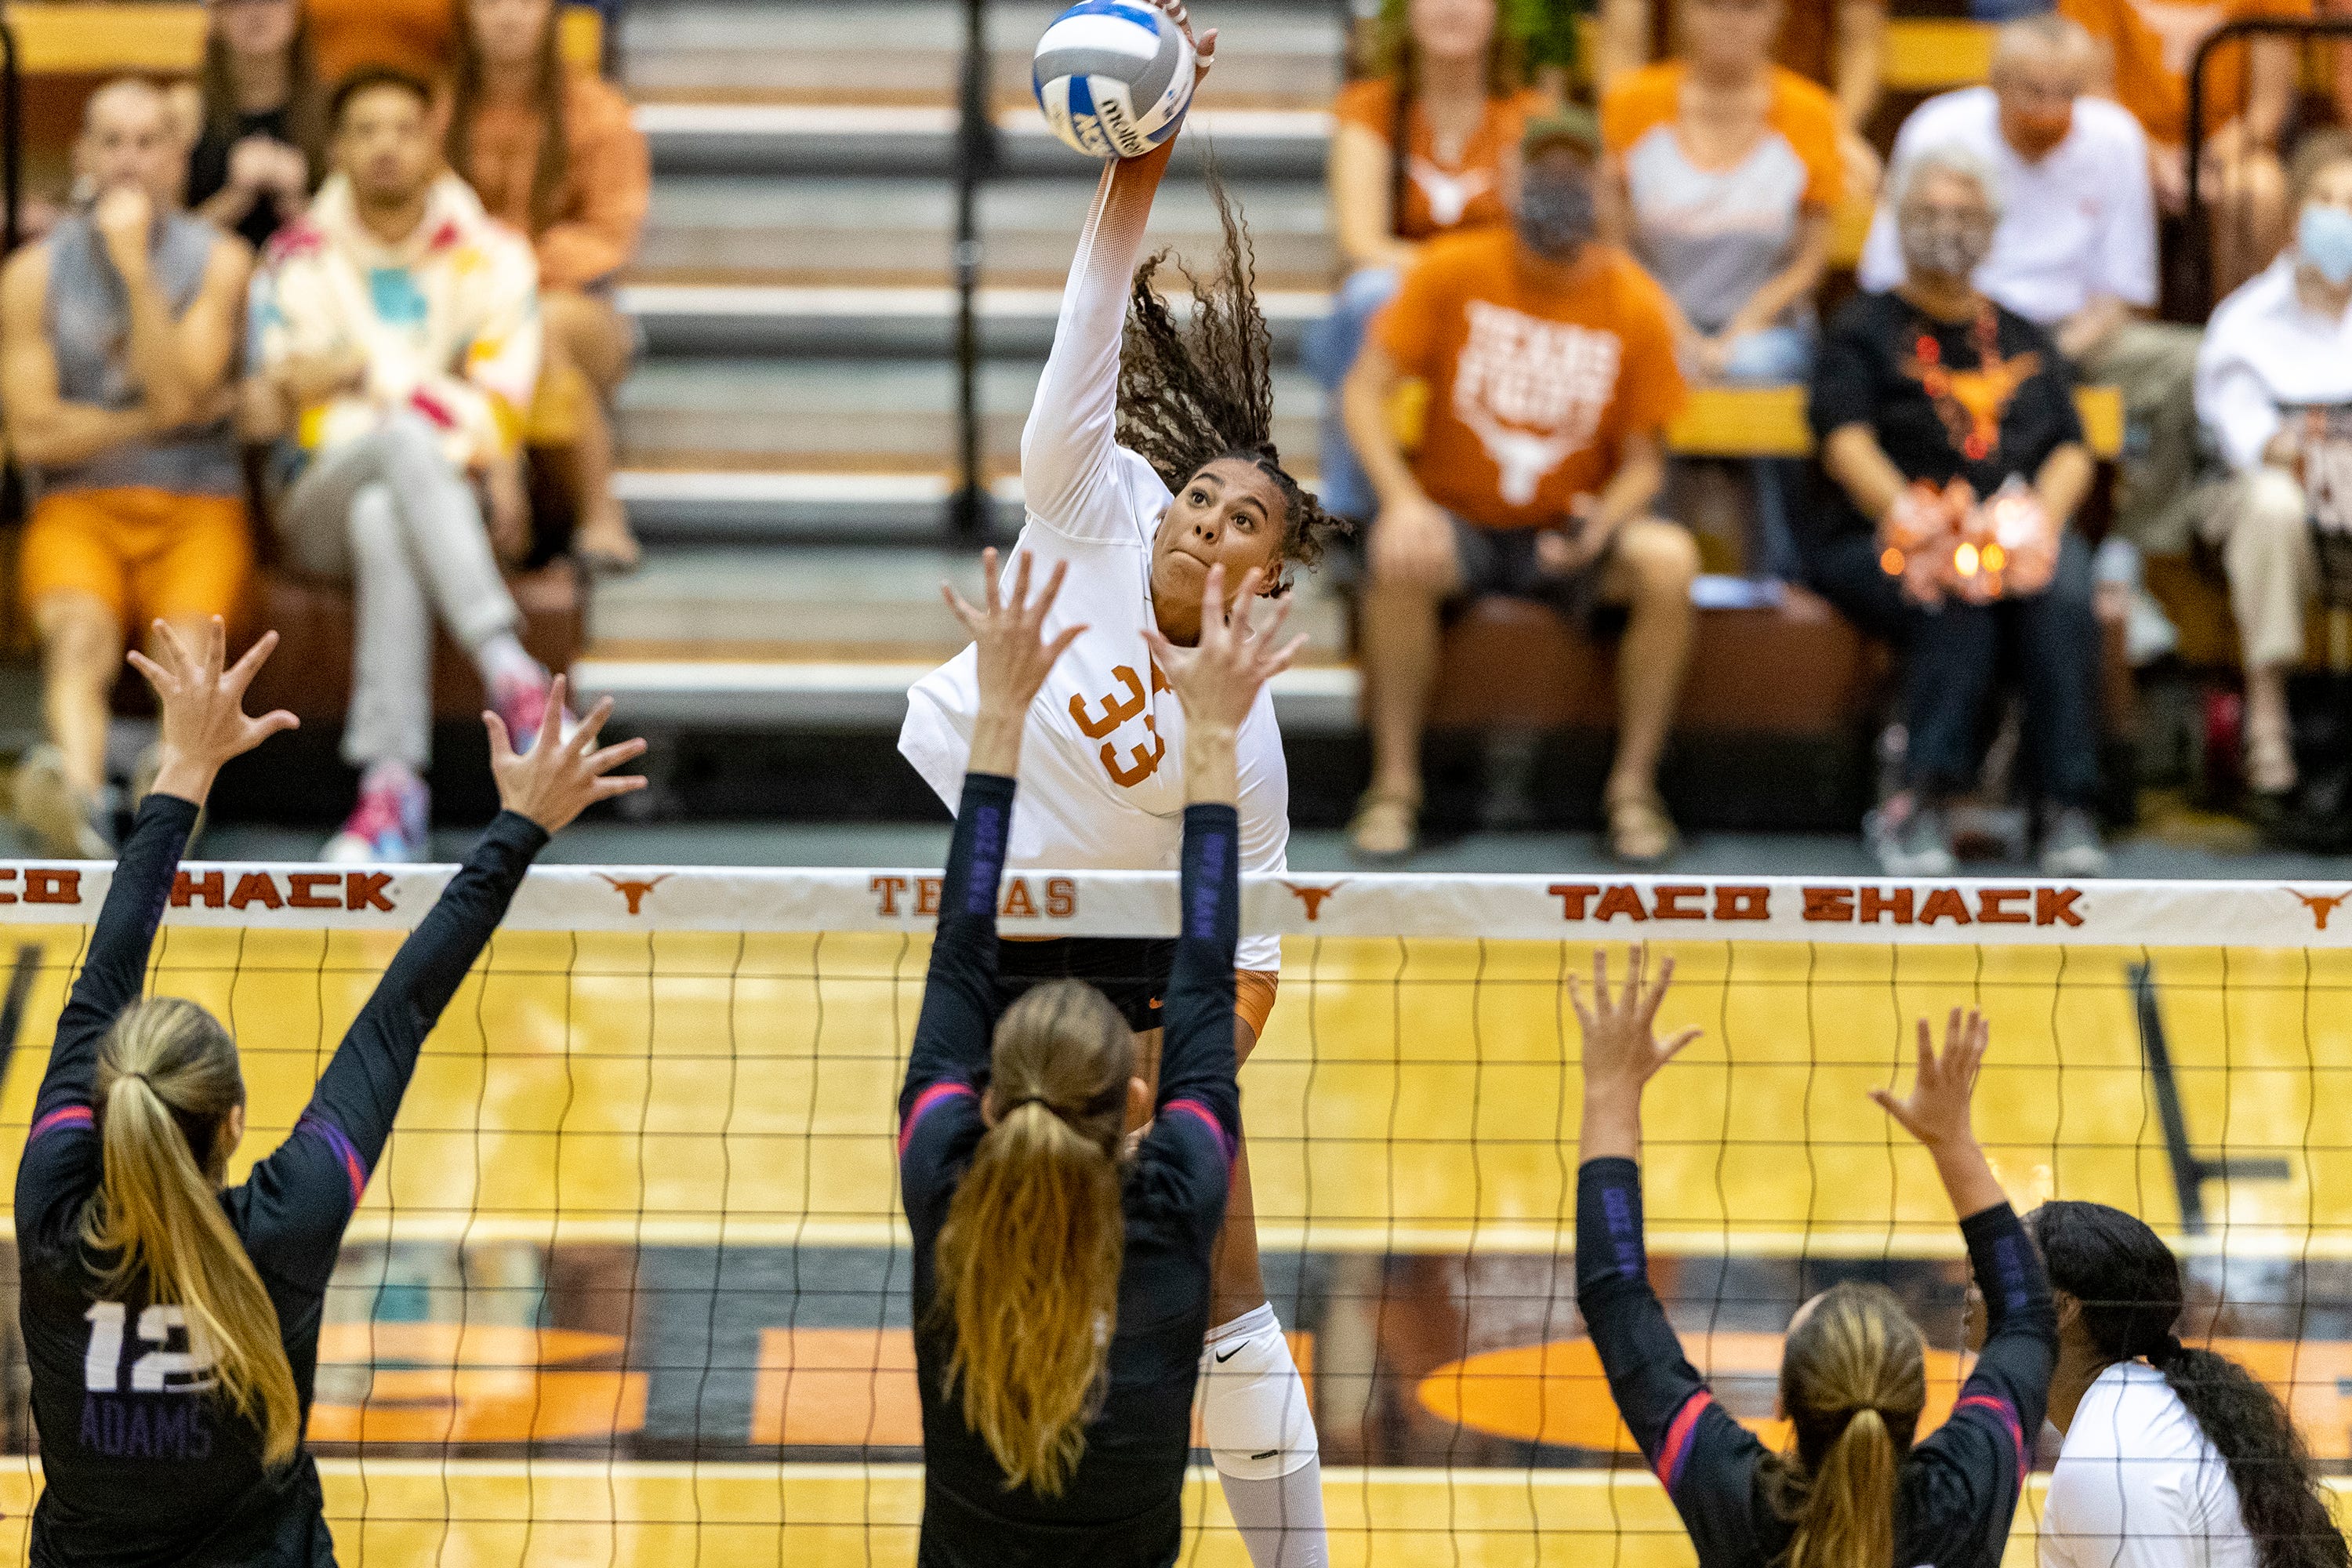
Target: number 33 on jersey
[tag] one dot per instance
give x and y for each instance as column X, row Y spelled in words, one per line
column 1103, row 716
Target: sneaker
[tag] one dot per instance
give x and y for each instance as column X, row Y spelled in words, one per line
column 1911, row 840
column 522, row 704
column 54, row 812
column 2070, row 843
column 387, row 826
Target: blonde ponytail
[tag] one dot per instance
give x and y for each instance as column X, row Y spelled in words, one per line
column 1848, row 1518
column 1853, row 1381
column 167, row 1079
column 1029, row 1258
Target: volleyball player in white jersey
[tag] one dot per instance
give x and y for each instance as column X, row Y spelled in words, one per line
column 1141, row 471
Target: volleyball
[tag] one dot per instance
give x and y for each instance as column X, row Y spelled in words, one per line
column 1114, row 76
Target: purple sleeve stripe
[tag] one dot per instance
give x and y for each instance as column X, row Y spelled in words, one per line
column 2007, row 1414
column 1209, row 1119
column 937, row 1095
column 1674, row 1452
column 333, row 1136
column 63, row 1116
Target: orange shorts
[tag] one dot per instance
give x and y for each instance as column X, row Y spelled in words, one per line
column 146, row 554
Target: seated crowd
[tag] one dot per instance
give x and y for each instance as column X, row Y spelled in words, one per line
column 1553, row 286
column 374, row 283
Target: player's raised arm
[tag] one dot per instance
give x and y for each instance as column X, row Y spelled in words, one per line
column 1066, row 448
column 204, row 725
column 1014, row 656
column 351, row 1111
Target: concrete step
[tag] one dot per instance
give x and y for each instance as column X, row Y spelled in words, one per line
column 865, row 231
column 912, row 51
column 906, row 323
column 672, row 508
column 855, row 416
column 778, row 137
column 734, row 636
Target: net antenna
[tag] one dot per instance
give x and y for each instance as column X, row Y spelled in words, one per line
column 2190, row 1170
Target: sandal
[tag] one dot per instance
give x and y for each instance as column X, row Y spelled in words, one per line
column 1386, row 828
column 1639, row 831
column 607, row 547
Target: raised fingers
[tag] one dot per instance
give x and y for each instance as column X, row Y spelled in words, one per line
column 550, row 721
column 612, row 756
column 1045, row 604
column 583, row 738
column 240, row 675
column 174, row 651
column 501, row 743
column 988, row 579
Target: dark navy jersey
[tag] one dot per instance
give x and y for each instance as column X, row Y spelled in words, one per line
column 143, row 1464
column 1123, row 1506
column 1957, row 1488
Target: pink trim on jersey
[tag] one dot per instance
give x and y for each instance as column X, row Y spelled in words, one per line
column 1208, row 1119
column 64, row 1115
column 1674, row 1452
column 2016, row 1428
column 938, row 1094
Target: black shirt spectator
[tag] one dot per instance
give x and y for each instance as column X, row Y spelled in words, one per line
column 2003, row 413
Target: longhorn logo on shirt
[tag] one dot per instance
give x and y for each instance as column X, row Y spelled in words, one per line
column 1974, row 402
column 1449, row 195
column 1142, row 761
column 1532, row 391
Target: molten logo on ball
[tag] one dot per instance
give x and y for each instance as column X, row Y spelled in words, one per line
column 1114, row 77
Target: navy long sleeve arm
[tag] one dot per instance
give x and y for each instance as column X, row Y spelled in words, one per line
column 297, row 1202
column 952, row 1032
column 115, row 970
column 1197, row 1066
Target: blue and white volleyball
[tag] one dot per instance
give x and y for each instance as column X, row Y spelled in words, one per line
column 1114, row 76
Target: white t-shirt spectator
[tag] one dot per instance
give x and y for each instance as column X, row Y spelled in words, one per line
column 2078, row 224
column 2266, row 352
column 2138, row 1485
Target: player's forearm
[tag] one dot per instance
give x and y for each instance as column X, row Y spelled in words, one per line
column 996, row 742
column 1967, row 1176
column 1211, row 776
column 117, row 962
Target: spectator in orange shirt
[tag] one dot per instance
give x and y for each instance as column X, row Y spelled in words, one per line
column 1549, row 358
column 1840, row 44
column 2250, row 96
column 552, row 151
column 1419, row 152
column 1725, row 171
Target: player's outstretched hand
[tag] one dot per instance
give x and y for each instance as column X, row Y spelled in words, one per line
column 205, row 721
column 1622, row 1048
column 1936, row 1112
column 559, row 778
column 1217, row 678
column 1014, row 657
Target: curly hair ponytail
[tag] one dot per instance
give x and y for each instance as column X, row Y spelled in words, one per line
column 2129, row 1284
column 1194, row 392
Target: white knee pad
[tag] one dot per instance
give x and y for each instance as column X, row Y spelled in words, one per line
column 1254, row 1408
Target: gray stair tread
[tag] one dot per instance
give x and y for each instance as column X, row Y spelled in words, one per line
column 828, row 49
column 830, row 598
column 895, row 230
column 784, row 413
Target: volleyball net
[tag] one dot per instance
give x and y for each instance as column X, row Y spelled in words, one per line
column 630, row 1284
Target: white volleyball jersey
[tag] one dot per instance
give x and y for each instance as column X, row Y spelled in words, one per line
column 1102, row 773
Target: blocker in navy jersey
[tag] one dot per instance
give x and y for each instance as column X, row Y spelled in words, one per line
column 1958, row 1488
column 1114, row 77
column 1122, row 1508
column 143, row 1467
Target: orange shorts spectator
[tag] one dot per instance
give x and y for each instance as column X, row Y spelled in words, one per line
column 144, row 554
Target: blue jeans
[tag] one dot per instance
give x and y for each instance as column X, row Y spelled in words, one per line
column 1777, row 356
column 1332, row 345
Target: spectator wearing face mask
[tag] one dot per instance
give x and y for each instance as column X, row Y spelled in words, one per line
column 2075, row 249
column 1418, row 152
column 1935, row 407
column 1549, row 358
column 2274, row 391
